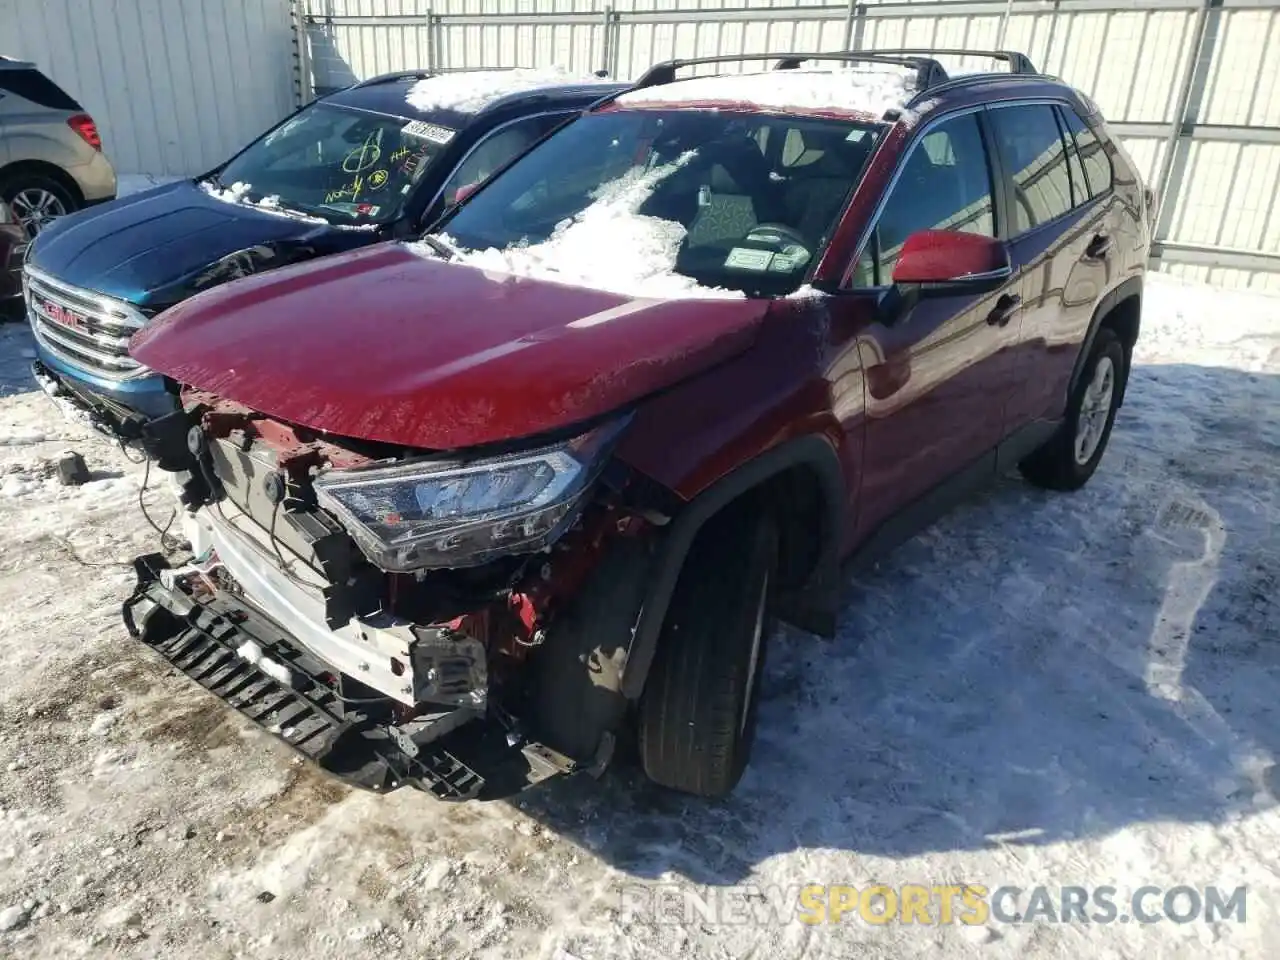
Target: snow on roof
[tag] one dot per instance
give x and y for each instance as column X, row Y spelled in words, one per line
column 869, row 92
column 608, row 246
column 472, row 90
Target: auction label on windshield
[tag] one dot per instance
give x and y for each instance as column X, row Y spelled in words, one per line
column 428, row 131
column 744, row 258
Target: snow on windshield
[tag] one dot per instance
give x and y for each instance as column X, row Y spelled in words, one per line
column 608, row 246
column 238, row 194
column 870, row 92
column 472, row 91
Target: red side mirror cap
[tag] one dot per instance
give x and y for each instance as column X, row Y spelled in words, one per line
column 464, row 191
column 944, row 256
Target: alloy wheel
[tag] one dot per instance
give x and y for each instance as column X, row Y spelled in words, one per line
column 35, row 208
column 1095, row 409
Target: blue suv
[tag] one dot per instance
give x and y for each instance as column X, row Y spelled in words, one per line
column 379, row 160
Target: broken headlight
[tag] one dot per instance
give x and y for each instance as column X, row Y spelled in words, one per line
column 435, row 513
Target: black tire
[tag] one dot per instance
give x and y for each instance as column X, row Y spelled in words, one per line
column 698, row 712
column 1055, row 465
column 576, row 674
column 16, row 184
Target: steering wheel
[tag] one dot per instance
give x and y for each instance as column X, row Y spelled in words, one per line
column 785, row 235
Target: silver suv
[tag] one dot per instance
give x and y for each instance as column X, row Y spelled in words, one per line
column 51, row 160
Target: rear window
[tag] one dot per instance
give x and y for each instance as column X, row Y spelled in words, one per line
column 35, row 86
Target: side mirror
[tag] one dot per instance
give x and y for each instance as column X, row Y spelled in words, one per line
column 948, row 259
column 938, row 262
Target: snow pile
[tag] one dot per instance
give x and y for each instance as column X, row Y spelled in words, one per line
column 251, row 652
column 870, row 92
column 608, row 246
column 805, row 292
column 472, row 91
column 238, row 194
column 1218, row 327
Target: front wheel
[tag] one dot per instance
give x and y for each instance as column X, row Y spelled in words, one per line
column 1069, row 457
column 36, row 201
column 698, row 712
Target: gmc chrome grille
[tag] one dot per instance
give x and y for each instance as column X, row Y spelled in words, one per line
column 82, row 328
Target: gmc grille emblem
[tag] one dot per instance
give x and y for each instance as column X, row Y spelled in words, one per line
column 63, row 316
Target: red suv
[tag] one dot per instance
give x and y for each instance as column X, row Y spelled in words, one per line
column 474, row 511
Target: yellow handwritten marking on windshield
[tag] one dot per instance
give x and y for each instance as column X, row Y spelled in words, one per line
column 399, row 154
column 363, row 157
column 377, row 179
column 351, row 190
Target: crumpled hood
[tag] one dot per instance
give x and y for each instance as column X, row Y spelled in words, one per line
column 383, row 344
column 153, row 245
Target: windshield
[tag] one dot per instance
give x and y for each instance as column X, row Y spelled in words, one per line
column 669, row 203
column 345, row 165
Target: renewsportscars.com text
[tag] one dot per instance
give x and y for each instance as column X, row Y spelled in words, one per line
column 932, row 904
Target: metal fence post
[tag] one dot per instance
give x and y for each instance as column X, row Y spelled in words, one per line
column 1173, row 165
column 609, row 41
column 303, row 81
column 855, row 25
column 435, row 46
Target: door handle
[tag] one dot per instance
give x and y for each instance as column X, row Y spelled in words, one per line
column 1004, row 309
column 1099, row 247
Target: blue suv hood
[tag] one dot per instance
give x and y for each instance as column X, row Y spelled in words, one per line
column 156, row 248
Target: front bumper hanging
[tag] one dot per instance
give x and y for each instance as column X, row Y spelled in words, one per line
column 349, row 735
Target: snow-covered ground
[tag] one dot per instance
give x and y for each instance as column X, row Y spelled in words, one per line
column 1042, row 689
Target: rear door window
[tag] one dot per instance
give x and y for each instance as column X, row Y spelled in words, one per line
column 945, row 184
column 1093, row 156
column 1035, row 158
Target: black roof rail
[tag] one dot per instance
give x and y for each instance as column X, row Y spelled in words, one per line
column 929, row 72
column 394, row 77
column 1018, row 62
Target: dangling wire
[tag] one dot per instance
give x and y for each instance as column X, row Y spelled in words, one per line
column 285, row 567
column 167, row 543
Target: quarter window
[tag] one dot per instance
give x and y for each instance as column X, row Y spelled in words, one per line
column 945, row 184
column 1097, row 165
column 1036, row 159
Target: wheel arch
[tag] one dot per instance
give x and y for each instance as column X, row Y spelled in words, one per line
column 1119, row 310
column 803, row 473
column 44, row 169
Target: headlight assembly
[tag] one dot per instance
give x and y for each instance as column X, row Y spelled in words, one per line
column 424, row 514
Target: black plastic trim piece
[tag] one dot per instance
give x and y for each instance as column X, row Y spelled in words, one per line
column 1131, row 287
column 348, row 739
column 821, row 590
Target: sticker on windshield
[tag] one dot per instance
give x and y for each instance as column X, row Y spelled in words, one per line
column 791, row 257
column 427, row 131
column 744, row 258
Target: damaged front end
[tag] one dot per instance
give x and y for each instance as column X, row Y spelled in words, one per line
column 384, row 611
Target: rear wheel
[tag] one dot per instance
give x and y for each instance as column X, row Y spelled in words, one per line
column 1068, row 458
column 697, row 715
column 36, row 200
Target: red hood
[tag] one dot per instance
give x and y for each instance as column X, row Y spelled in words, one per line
column 382, row 344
